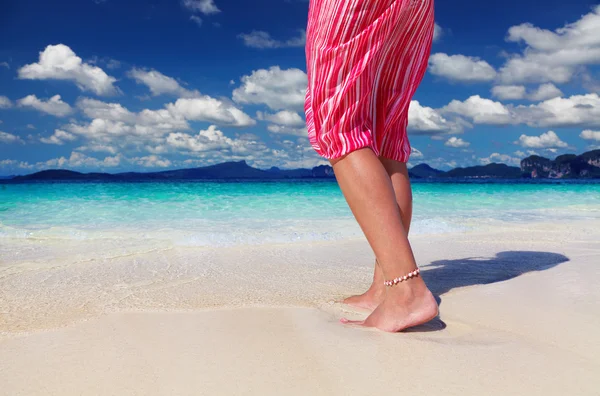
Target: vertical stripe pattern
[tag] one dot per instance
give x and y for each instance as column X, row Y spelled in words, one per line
column 365, row 60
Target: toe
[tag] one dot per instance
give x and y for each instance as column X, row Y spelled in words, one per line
column 352, row 322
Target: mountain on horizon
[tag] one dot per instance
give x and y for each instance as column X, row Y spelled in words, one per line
column 586, row 165
column 424, row 171
column 224, row 170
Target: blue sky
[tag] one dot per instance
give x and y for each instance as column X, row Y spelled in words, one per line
column 106, row 85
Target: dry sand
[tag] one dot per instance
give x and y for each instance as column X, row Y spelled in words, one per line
column 520, row 313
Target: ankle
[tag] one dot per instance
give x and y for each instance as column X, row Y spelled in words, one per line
column 413, row 289
column 377, row 288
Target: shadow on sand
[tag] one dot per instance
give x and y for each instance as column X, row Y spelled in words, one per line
column 442, row 276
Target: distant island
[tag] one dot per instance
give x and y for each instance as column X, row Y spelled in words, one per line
column 567, row 166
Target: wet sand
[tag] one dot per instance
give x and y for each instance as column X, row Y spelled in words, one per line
column 520, row 312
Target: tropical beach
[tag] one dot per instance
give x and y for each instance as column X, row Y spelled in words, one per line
column 291, row 197
column 103, row 294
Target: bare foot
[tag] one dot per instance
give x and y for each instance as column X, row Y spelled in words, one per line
column 407, row 304
column 372, row 297
column 369, row 299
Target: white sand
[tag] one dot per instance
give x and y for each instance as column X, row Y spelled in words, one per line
column 272, row 330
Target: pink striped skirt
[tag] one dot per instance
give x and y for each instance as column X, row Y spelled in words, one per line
column 365, row 60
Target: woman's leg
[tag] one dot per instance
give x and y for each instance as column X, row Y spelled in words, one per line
column 398, row 173
column 369, row 192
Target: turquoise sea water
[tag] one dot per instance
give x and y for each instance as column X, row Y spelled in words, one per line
column 209, row 213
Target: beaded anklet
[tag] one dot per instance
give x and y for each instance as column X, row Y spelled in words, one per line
column 399, row 279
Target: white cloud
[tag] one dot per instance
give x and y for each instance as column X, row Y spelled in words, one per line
column 99, row 148
column 106, row 132
column 545, row 140
column 102, row 130
column 208, row 147
column 517, row 92
column 481, row 111
column 113, row 64
column 59, row 137
column 415, row 153
column 456, row 142
column 206, row 108
column 545, row 92
column 553, row 56
column 509, row 92
column 278, row 89
column 52, row 163
column 588, row 134
column 461, row 68
column 160, row 121
column 283, row 117
column 501, row 158
column 160, row 84
column 151, row 161
column 5, row 103
column 286, row 130
column 438, row 32
column 9, row 163
column 196, row 19
column 519, row 70
column 109, row 62
column 212, row 141
column 54, row 106
column 93, row 108
column 113, row 127
column 81, row 160
column 284, row 122
column 575, row 111
column 428, row 121
column 174, row 116
column 112, row 161
column 5, row 64
column 205, row 140
column 261, row 39
column 78, row 160
column 206, row 7
column 60, row 62
column 8, row 138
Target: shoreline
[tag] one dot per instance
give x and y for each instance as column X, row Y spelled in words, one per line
column 131, row 275
column 519, row 314
column 305, row 350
